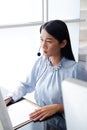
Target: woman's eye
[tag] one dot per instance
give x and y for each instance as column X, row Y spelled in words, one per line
column 49, row 41
column 41, row 39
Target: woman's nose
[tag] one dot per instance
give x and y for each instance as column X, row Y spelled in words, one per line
column 43, row 44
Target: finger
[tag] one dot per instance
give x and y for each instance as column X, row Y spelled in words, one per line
column 43, row 117
column 38, row 117
column 34, row 114
column 8, row 100
column 36, row 111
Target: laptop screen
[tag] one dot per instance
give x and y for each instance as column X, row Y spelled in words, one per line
column 5, row 123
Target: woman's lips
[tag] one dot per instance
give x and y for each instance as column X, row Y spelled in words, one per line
column 44, row 51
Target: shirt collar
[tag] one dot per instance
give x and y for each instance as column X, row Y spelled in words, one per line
column 57, row 67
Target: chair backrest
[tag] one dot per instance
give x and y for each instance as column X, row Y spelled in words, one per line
column 75, row 104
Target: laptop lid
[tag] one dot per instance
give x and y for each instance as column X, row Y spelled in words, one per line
column 5, row 123
column 75, row 104
column 4, row 92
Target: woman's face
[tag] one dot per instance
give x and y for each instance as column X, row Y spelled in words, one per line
column 50, row 46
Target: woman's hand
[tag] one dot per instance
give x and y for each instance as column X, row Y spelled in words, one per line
column 45, row 112
column 8, row 100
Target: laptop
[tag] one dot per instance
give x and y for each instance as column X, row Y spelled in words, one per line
column 4, row 92
column 5, row 122
column 75, row 103
column 15, row 115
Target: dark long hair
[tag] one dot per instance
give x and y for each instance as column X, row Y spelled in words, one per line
column 58, row 29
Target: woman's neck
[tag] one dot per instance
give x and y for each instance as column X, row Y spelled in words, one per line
column 55, row 60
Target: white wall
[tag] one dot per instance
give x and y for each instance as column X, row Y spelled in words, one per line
column 64, row 9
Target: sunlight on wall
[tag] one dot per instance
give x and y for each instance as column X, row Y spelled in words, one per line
column 18, row 52
column 20, row 11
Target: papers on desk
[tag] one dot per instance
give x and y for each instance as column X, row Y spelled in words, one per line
column 30, row 97
column 19, row 112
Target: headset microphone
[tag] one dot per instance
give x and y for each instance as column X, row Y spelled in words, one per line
column 39, row 54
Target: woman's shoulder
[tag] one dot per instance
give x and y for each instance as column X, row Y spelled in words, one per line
column 66, row 63
column 71, row 63
column 78, row 68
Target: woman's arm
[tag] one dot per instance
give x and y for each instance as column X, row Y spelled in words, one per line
column 46, row 111
column 24, row 87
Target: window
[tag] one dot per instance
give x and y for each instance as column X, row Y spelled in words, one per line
column 13, row 12
column 20, row 43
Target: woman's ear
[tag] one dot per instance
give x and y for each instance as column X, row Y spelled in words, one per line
column 63, row 43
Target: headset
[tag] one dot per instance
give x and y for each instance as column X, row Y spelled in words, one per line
column 39, row 54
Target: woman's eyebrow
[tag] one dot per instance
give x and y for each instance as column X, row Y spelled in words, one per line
column 48, row 38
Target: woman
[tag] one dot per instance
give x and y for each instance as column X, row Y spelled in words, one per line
column 56, row 64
